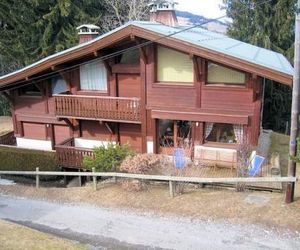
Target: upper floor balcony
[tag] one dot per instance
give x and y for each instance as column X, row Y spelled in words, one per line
column 117, row 109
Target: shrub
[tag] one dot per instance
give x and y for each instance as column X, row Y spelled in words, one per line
column 19, row 159
column 107, row 158
column 133, row 185
column 141, row 164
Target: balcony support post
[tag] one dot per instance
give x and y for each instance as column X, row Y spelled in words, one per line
column 143, row 111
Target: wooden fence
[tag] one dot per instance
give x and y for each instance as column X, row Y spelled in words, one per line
column 8, row 139
column 171, row 179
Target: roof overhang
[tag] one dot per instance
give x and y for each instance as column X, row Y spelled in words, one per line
column 131, row 30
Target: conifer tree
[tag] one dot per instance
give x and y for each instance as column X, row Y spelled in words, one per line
column 268, row 24
column 33, row 29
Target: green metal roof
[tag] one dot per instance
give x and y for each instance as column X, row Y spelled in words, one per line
column 223, row 44
column 198, row 36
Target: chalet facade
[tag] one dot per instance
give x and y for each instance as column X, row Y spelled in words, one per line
column 153, row 85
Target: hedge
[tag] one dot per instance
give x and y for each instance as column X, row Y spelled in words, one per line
column 17, row 159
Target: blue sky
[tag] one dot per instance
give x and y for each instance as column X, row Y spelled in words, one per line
column 207, row 8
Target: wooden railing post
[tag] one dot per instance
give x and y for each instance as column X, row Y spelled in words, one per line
column 94, row 179
column 37, row 178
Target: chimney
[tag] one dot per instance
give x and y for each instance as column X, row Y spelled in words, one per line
column 87, row 32
column 163, row 11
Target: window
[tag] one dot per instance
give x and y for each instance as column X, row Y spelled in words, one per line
column 224, row 133
column 93, row 76
column 30, row 90
column 58, row 85
column 174, row 133
column 173, row 66
column 220, row 75
column 219, row 132
column 131, row 57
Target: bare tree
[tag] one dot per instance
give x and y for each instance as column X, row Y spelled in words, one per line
column 122, row 11
column 138, row 10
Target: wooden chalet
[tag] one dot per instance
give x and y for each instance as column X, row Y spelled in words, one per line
column 155, row 85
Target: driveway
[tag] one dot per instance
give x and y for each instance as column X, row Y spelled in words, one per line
column 107, row 228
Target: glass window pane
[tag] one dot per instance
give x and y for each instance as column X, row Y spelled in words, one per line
column 131, row 57
column 220, row 74
column 30, row 90
column 174, row 66
column 220, row 132
column 93, row 76
column 58, row 85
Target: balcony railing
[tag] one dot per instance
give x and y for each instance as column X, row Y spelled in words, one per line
column 69, row 156
column 98, row 108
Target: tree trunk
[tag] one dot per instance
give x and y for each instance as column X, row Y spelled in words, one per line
column 295, row 110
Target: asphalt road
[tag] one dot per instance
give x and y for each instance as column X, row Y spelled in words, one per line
column 105, row 228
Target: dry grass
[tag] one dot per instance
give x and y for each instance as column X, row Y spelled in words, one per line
column 280, row 144
column 19, row 237
column 5, row 124
column 199, row 203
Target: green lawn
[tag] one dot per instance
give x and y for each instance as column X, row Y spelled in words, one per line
column 16, row 237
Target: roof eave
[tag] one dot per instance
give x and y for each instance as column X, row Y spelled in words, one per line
column 85, row 49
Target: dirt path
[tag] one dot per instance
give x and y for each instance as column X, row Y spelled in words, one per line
column 141, row 230
column 263, row 208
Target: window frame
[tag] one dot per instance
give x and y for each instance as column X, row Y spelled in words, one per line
column 225, row 85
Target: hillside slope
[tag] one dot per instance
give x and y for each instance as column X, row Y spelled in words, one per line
column 187, row 18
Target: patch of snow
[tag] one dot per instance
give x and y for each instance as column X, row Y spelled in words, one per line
column 4, row 182
column 257, row 200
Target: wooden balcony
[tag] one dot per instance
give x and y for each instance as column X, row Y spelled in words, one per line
column 69, row 156
column 98, row 108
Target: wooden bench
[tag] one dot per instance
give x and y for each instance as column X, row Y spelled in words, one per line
column 217, row 157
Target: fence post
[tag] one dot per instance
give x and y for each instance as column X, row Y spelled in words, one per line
column 79, row 179
column 37, row 178
column 94, row 180
column 65, row 178
column 171, row 189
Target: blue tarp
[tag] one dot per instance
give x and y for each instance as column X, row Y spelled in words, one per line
column 256, row 165
column 179, row 158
